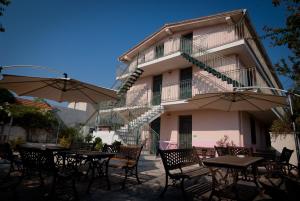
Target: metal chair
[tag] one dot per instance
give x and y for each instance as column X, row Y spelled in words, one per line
column 222, row 151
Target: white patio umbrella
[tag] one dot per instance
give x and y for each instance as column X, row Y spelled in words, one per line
column 238, row 101
column 58, row 89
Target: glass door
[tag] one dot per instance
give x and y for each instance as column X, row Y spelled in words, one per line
column 156, row 90
column 155, row 133
column 186, row 43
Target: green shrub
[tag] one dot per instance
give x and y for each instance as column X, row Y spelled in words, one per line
column 15, row 142
column 117, row 143
column 281, row 126
column 98, row 145
column 65, row 142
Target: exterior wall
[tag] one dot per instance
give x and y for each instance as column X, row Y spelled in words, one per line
column 246, row 132
column 16, row 132
column 212, row 36
column 285, row 140
column 140, row 93
column 205, row 130
column 170, row 85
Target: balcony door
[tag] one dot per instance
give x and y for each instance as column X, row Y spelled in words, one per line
column 185, row 131
column 186, row 43
column 185, row 86
column 156, row 90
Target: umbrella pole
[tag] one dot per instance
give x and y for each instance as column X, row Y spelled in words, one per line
column 57, row 133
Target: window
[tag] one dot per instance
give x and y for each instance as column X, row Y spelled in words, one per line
column 159, row 50
column 253, row 130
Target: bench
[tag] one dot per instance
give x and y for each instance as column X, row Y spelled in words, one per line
column 126, row 158
column 182, row 165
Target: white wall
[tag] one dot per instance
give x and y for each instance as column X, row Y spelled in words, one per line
column 284, row 140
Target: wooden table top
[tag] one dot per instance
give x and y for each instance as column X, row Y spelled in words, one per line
column 232, row 161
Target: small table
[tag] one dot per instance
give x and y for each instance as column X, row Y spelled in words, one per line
column 43, row 147
column 234, row 163
column 95, row 162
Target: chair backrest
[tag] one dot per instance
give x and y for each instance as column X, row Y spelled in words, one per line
column 81, row 146
column 111, row 148
column 205, row 152
column 66, row 161
column 247, row 151
column 285, row 155
column 266, row 154
column 178, row 158
column 36, row 159
column 222, row 151
column 131, row 152
column 6, row 152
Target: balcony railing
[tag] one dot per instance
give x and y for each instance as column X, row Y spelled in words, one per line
column 224, row 35
column 201, row 83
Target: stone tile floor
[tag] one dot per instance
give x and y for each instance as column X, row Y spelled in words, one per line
column 151, row 174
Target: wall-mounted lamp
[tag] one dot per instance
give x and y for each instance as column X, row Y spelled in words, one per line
column 168, row 31
column 229, row 20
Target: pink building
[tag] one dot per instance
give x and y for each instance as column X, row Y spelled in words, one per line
column 209, row 54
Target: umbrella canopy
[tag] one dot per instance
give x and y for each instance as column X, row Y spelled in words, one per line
column 238, row 101
column 58, row 89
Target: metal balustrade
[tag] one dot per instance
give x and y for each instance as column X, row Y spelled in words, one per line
column 226, row 34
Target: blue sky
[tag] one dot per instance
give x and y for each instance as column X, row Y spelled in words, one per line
column 84, row 38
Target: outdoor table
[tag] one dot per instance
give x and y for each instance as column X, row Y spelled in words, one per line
column 233, row 164
column 97, row 161
column 43, row 147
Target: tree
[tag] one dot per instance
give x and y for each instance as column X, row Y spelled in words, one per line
column 6, row 96
column 288, row 36
column 3, row 3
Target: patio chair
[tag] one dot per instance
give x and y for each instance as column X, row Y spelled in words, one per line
column 236, row 151
column 127, row 159
column 205, row 152
column 9, row 177
column 222, row 151
column 36, row 161
column 65, row 175
column 6, row 153
column 111, row 148
column 281, row 166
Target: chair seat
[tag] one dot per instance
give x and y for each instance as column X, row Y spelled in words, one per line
column 192, row 173
column 121, row 163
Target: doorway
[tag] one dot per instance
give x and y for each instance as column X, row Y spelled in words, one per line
column 155, row 135
column 185, row 131
column 186, row 43
column 156, row 90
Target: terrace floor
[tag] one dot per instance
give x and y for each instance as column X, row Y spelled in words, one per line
column 151, row 175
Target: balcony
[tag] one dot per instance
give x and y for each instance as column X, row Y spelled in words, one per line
column 201, row 83
column 167, row 54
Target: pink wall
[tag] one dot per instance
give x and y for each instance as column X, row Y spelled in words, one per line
column 208, row 126
column 215, row 35
column 140, row 93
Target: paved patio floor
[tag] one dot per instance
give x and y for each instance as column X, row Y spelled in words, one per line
column 151, row 174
